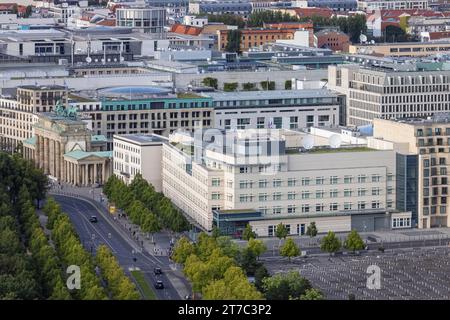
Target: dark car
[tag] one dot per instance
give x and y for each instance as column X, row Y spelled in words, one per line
column 159, row 285
column 157, row 271
column 93, row 219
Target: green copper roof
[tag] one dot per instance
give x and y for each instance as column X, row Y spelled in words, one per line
column 97, row 138
column 30, row 141
column 78, row 154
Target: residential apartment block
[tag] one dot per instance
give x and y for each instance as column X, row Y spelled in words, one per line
column 370, row 5
column 250, row 38
column 391, row 91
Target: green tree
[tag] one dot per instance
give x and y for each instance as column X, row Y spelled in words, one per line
column 233, row 41
column 288, row 85
column 257, row 247
column 268, row 85
column 233, row 286
column 248, row 233
column 311, row 230
column 210, row 82
column 230, row 86
column 283, row 286
column 260, row 273
column 215, row 233
column 249, row 86
column 281, row 232
column 354, row 241
column 312, row 294
column 330, row 243
column 182, row 250
column 290, row 249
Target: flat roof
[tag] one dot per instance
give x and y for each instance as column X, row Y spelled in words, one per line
column 140, row 139
column 271, row 94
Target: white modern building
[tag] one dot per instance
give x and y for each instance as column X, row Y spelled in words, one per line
column 145, row 19
column 264, row 177
column 371, row 5
column 287, row 109
column 138, row 154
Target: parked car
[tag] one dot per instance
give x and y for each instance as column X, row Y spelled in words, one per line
column 159, row 284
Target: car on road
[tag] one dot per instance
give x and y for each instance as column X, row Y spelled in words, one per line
column 159, row 284
column 157, row 271
column 93, row 219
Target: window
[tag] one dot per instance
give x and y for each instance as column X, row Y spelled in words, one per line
column 320, row 180
column 334, row 193
column 347, row 206
column 305, row 194
column 375, row 191
column 262, row 197
column 333, row 206
column 277, row 196
column 215, row 182
column 347, row 193
column 361, row 205
column 319, row 207
column 319, row 194
column 376, row 178
column 291, row 195
column 215, row 196
column 291, row 182
column 348, row 179
column 305, row 181
column 276, row 210
column 243, row 169
column 305, row 208
column 291, row 209
column 262, row 183
column 361, row 178
column 276, row 183
column 375, row 204
column 361, row 192
column 333, row 180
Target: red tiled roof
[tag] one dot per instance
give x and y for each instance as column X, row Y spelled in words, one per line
column 439, row 35
column 184, row 29
column 309, row 12
column 107, row 23
column 6, row 6
column 289, row 25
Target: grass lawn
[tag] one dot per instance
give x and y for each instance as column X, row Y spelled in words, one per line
column 148, row 292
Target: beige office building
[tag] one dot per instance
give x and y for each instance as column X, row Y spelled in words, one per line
column 429, row 140
column 391, row 91
column 19, row 112
column 401, row 49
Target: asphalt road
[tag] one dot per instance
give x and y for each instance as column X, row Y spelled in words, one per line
column 122, row 246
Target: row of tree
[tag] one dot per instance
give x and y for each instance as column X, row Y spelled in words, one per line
column 51, row 275
column 71, row 252
column 211, row 266
column 27, row 264
column 120, row 286
column 219, row 269
column 149, row 209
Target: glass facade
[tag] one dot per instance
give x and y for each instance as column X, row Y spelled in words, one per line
column 407, row 185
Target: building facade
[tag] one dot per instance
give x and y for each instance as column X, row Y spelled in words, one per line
column 426, row 142
column 149, row 19
column 19, row 112
column 138, row 154
column 391, row 92
column 277, row 109
column 371, row 5
column 250, row 38
column 232, row 186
